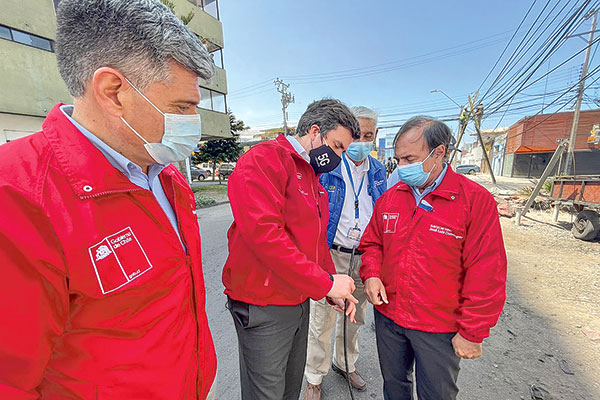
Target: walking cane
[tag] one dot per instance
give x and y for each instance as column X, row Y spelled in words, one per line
column 350, row 273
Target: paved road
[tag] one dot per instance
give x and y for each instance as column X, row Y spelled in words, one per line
column 524, row 348
column 214, row 222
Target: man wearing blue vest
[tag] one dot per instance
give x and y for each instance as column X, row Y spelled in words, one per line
column 353, row 187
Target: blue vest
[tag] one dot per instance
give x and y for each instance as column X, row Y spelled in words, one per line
column 334, row 184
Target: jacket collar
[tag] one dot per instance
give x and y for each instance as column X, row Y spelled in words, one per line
column 283, row 142
column 86, row 169
column 448, row 188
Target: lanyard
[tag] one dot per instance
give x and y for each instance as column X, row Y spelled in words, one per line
column 353, row 189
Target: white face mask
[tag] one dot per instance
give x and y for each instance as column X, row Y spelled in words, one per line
column 181, row 135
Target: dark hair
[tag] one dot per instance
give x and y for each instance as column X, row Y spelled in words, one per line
column 436, row 132
column 328, row 114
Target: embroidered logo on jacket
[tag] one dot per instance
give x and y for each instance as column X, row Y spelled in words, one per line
column 444, row 231
column 118, row 259
column 102, row 252
column 390, row 220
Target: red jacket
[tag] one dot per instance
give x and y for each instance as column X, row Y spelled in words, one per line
column 98, row 298
column 278, row 253
column 444, row 270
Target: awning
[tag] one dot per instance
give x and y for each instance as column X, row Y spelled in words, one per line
column 533, row 149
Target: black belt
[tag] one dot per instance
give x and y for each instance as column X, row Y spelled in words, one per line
column 345, row 249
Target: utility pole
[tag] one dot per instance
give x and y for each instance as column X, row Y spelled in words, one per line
column 571, row 154
column 477, row 113
column 463, row 121
column 286, row 99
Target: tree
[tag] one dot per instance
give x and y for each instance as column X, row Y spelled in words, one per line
column 221, row 150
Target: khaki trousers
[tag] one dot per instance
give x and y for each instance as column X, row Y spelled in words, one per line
column 323, row 321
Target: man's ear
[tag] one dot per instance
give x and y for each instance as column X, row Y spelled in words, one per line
column 440, row 151
column 313, row 132
column 111, row 90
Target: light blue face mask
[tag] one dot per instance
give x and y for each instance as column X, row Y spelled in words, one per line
column 181, row 135
column 358, row 151
column 413, row 174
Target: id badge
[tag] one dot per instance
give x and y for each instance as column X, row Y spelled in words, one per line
column 354, row 234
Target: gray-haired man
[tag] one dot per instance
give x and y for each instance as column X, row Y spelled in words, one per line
column 352, row 189
column 101, row 286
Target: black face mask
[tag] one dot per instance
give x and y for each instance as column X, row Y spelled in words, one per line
column 323, row 159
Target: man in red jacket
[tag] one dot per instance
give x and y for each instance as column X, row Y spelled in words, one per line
column 434, row 266
column 101, row 286
column 278, row 252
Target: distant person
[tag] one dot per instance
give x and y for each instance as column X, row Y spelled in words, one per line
column 389, row 166
column 278, row 252
column 434, row 266
column 101, row 287
column 352, row 188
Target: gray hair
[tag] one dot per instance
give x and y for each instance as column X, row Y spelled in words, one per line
column 328, row 114
column 435, row 132
column 364, row 112
column 137, row 37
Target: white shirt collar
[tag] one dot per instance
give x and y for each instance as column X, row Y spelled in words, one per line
column 298, row 147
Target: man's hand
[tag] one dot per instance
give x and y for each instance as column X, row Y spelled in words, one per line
column 466, row 349
column 350, row 312
column 375, row 291
column 342, row 288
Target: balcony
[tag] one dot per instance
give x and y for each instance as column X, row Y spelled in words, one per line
column 218, row 82
column 215, row 125
column 203, row 24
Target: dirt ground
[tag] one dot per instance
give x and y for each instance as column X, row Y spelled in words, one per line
column 549, row 332
column 548, row 337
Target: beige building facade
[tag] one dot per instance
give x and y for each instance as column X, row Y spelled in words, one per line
column 30, row 84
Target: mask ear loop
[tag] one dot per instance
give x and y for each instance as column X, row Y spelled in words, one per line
column 145, row 98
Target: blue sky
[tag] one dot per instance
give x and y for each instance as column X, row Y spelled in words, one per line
column 391, row 54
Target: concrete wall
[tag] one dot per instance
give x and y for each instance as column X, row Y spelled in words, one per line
column 29, row 80
column 13, row 127
column 215, row 125
column 33, row 16
column 218, row 82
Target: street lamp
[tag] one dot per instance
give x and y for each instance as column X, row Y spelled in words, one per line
column 442, row 92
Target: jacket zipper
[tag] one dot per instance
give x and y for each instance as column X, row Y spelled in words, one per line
column 188, row 261
column 319, row 221
column 91, row 196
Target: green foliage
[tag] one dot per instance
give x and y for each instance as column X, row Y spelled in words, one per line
column 547, row 187
column 186, row 19
column 204, row 201
column 221, row 150
column 236, row 126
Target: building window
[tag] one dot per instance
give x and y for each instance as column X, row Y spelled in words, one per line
column 211, row 100
column 26, row 38
column 5, row 33
column 217, row 57
column 211, row 7
column 205, row 99
column 218, row 100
